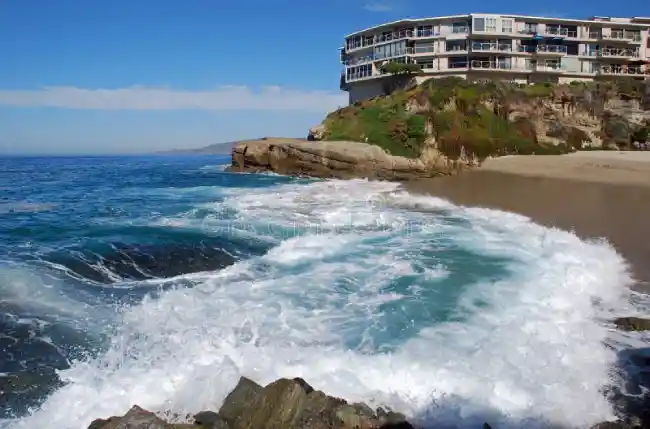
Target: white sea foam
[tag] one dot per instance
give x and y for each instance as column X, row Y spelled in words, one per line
column 520, row 349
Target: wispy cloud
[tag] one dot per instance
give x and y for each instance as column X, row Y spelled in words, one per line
column 378, row 7
column 145, row 98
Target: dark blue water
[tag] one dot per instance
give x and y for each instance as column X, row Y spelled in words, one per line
column 73, row 232
column 160, row 280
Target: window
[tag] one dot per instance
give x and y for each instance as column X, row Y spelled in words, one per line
column 506, row 26
column 490, row 24
column 479, row 24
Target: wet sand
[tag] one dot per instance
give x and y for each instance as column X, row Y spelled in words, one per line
column 594, row 194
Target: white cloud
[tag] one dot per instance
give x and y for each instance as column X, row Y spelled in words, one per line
column 378, row 7
column 143, row 98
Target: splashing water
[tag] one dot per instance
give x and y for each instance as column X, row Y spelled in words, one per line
column 451, row 315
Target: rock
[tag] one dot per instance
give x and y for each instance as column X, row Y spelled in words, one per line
column 632, row 324
column 611, row 425
column 244, row 396
column 135, row 418
column 282, row 404
column 294, row 404
column 330, row 159
column 210, row 420
column 316, row 133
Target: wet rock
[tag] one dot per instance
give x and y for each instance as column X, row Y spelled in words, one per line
column 135, row 418
column 632, row 324
column 282, row 404
column 210, row 420
column 294, row 404
column 243, row 397
column 612, row 425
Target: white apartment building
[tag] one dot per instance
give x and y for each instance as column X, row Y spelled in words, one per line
column 522, row 49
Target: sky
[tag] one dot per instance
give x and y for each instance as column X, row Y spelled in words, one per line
column 138, row 76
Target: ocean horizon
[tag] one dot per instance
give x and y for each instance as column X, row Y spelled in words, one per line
column 159, row 280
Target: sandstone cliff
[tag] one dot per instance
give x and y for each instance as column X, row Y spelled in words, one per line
column 445, row 125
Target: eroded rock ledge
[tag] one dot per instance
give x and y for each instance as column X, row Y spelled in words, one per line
column 335, row 159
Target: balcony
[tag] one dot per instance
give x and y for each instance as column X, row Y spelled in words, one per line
column 490, row 65
column 624, row 36
column 546, row 68
column 619, row 70
column 351, row 77
column 422, row 49
column 396, row 35
column 460, row 30
column 619, row 53
column 561, row 32
column 426, row 33
column 551, row 49
column 592, row 53
column 491, row 47
column 528, row 31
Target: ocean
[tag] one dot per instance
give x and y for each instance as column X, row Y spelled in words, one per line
column 159, row 281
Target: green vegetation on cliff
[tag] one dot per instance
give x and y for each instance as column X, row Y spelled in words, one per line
column 475, row 120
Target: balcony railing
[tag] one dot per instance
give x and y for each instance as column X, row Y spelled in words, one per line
column 460, row 30
column 552, row 49
column 624, row 70
column 456, row 48
column 590, row 53
column 528, row 30
column 490, row 65
column 633, row 36
column 499, row 47
column 613, row 52
column 594, row 35
column 359, row 75
column 426, row 33
column 559, row 31
column 423, row 49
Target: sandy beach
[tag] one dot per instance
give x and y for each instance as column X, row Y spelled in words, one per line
column 595, row 194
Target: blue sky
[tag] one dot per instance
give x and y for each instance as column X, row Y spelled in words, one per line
column 134, row 76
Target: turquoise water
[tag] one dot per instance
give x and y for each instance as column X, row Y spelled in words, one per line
column 160, row 280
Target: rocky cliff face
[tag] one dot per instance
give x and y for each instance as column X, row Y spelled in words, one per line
column 457, row 117
column 445, row 125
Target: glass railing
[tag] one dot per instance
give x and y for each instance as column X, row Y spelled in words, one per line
column 554, row 49
column 624, row 35
column 424, row 49
column 623, row 70
column 359, row 75
column 477, row 64
column 460, row 30
column 613, row 52
column 589, row 53
column 457, row 65
column 528, row 30
column 559, row 31
column 426, row 33
column 526, row 48
column 478, row 46
column 594, row 35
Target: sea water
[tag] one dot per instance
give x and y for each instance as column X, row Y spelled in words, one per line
column 159, row 281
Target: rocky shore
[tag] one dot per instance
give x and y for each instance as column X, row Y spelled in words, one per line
column 294, row 404
column 282, row 404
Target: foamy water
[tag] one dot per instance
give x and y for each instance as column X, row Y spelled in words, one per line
column 451, row 315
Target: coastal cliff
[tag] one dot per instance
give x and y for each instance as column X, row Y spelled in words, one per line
column 443, row 126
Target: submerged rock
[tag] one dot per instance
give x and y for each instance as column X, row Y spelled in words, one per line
column 282, row 404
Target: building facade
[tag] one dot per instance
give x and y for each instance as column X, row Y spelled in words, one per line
column 521, row 49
